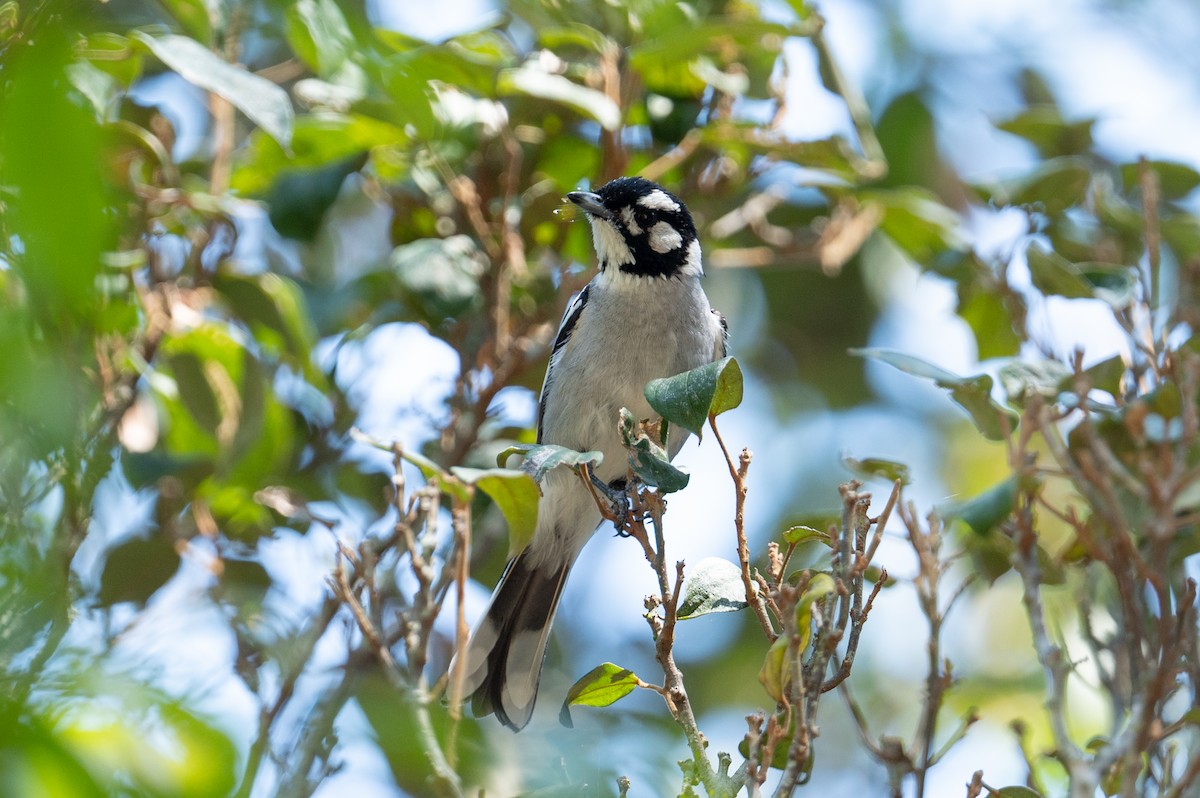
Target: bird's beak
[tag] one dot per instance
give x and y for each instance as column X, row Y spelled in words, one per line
column 591, row 203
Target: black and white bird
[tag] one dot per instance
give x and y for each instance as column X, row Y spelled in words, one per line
column 642, row 317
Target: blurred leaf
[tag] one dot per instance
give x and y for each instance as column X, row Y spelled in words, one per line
column 984, row 512
column 1044, row 127
column 908, row 136
column 575, row 34
column 1053, row 186
column 38, row 763
column 532, row 82
column 441, row 275
column 973, row 394
column 1017, row 792
column 1117, row 285
column 918, row 223
column 401, row 735
column 1105, row 375
column 1053, row 274
column 299, row 199
column 1175, row 179
column 713, row 585
column 319, row 35
column 878, row 468
column 264, row 103
column 194, row 16
column 1023, row 379
column 317, row 142
column 54, row 167
column 602, row 686
column 515, row 493
column 986, row 314
column 273, row 307
column 135, row 569
column 690, row 398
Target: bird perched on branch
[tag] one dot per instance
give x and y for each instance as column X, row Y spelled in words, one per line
column 644, row 316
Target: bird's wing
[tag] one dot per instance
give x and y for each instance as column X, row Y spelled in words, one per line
column 722, row 347
column 570, row 318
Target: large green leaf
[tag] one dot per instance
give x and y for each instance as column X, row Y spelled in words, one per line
column 688, row 399
column 263, row 102
column 515, row 493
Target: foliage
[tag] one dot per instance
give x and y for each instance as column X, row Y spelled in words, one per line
column 159, row 354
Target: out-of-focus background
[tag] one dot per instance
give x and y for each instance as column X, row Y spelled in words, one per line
column 250, row 244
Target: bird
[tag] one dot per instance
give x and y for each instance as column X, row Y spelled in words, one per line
column 643, row 316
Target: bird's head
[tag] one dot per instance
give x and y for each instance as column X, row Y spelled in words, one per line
column 641, row 228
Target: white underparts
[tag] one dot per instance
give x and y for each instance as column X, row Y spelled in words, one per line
column 664, row 238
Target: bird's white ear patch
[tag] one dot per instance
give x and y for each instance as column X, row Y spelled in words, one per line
column 658, row 200
column 664, row 238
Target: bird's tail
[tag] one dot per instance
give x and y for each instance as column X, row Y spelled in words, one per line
column 505, row 652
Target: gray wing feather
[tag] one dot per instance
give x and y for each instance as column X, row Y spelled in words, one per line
column 570, row 318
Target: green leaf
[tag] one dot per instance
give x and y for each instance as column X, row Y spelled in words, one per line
column 713, row 585
column 194, row 16
column 1105, row 375
column 649, row 460
column 973, row 394
column 536, row 83
column 542, row 457
column 1054, row 186
column 1115, row 284
column 1053, row 274
column 319, row 35
column 263, row 102
column 1175, row 179
column 135, row 569
column 1044, row 127
column 775, row 673
column 986, row 313
column 600, row 687
column 985, row 511
column 273, row 307
column 515, row 493
column 688, row 399
column 440, row 275
column 300, row 198
column 799, row 535
column 1017, row 792
column 1024, row 379
column 878, row 468
column 918, row 223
